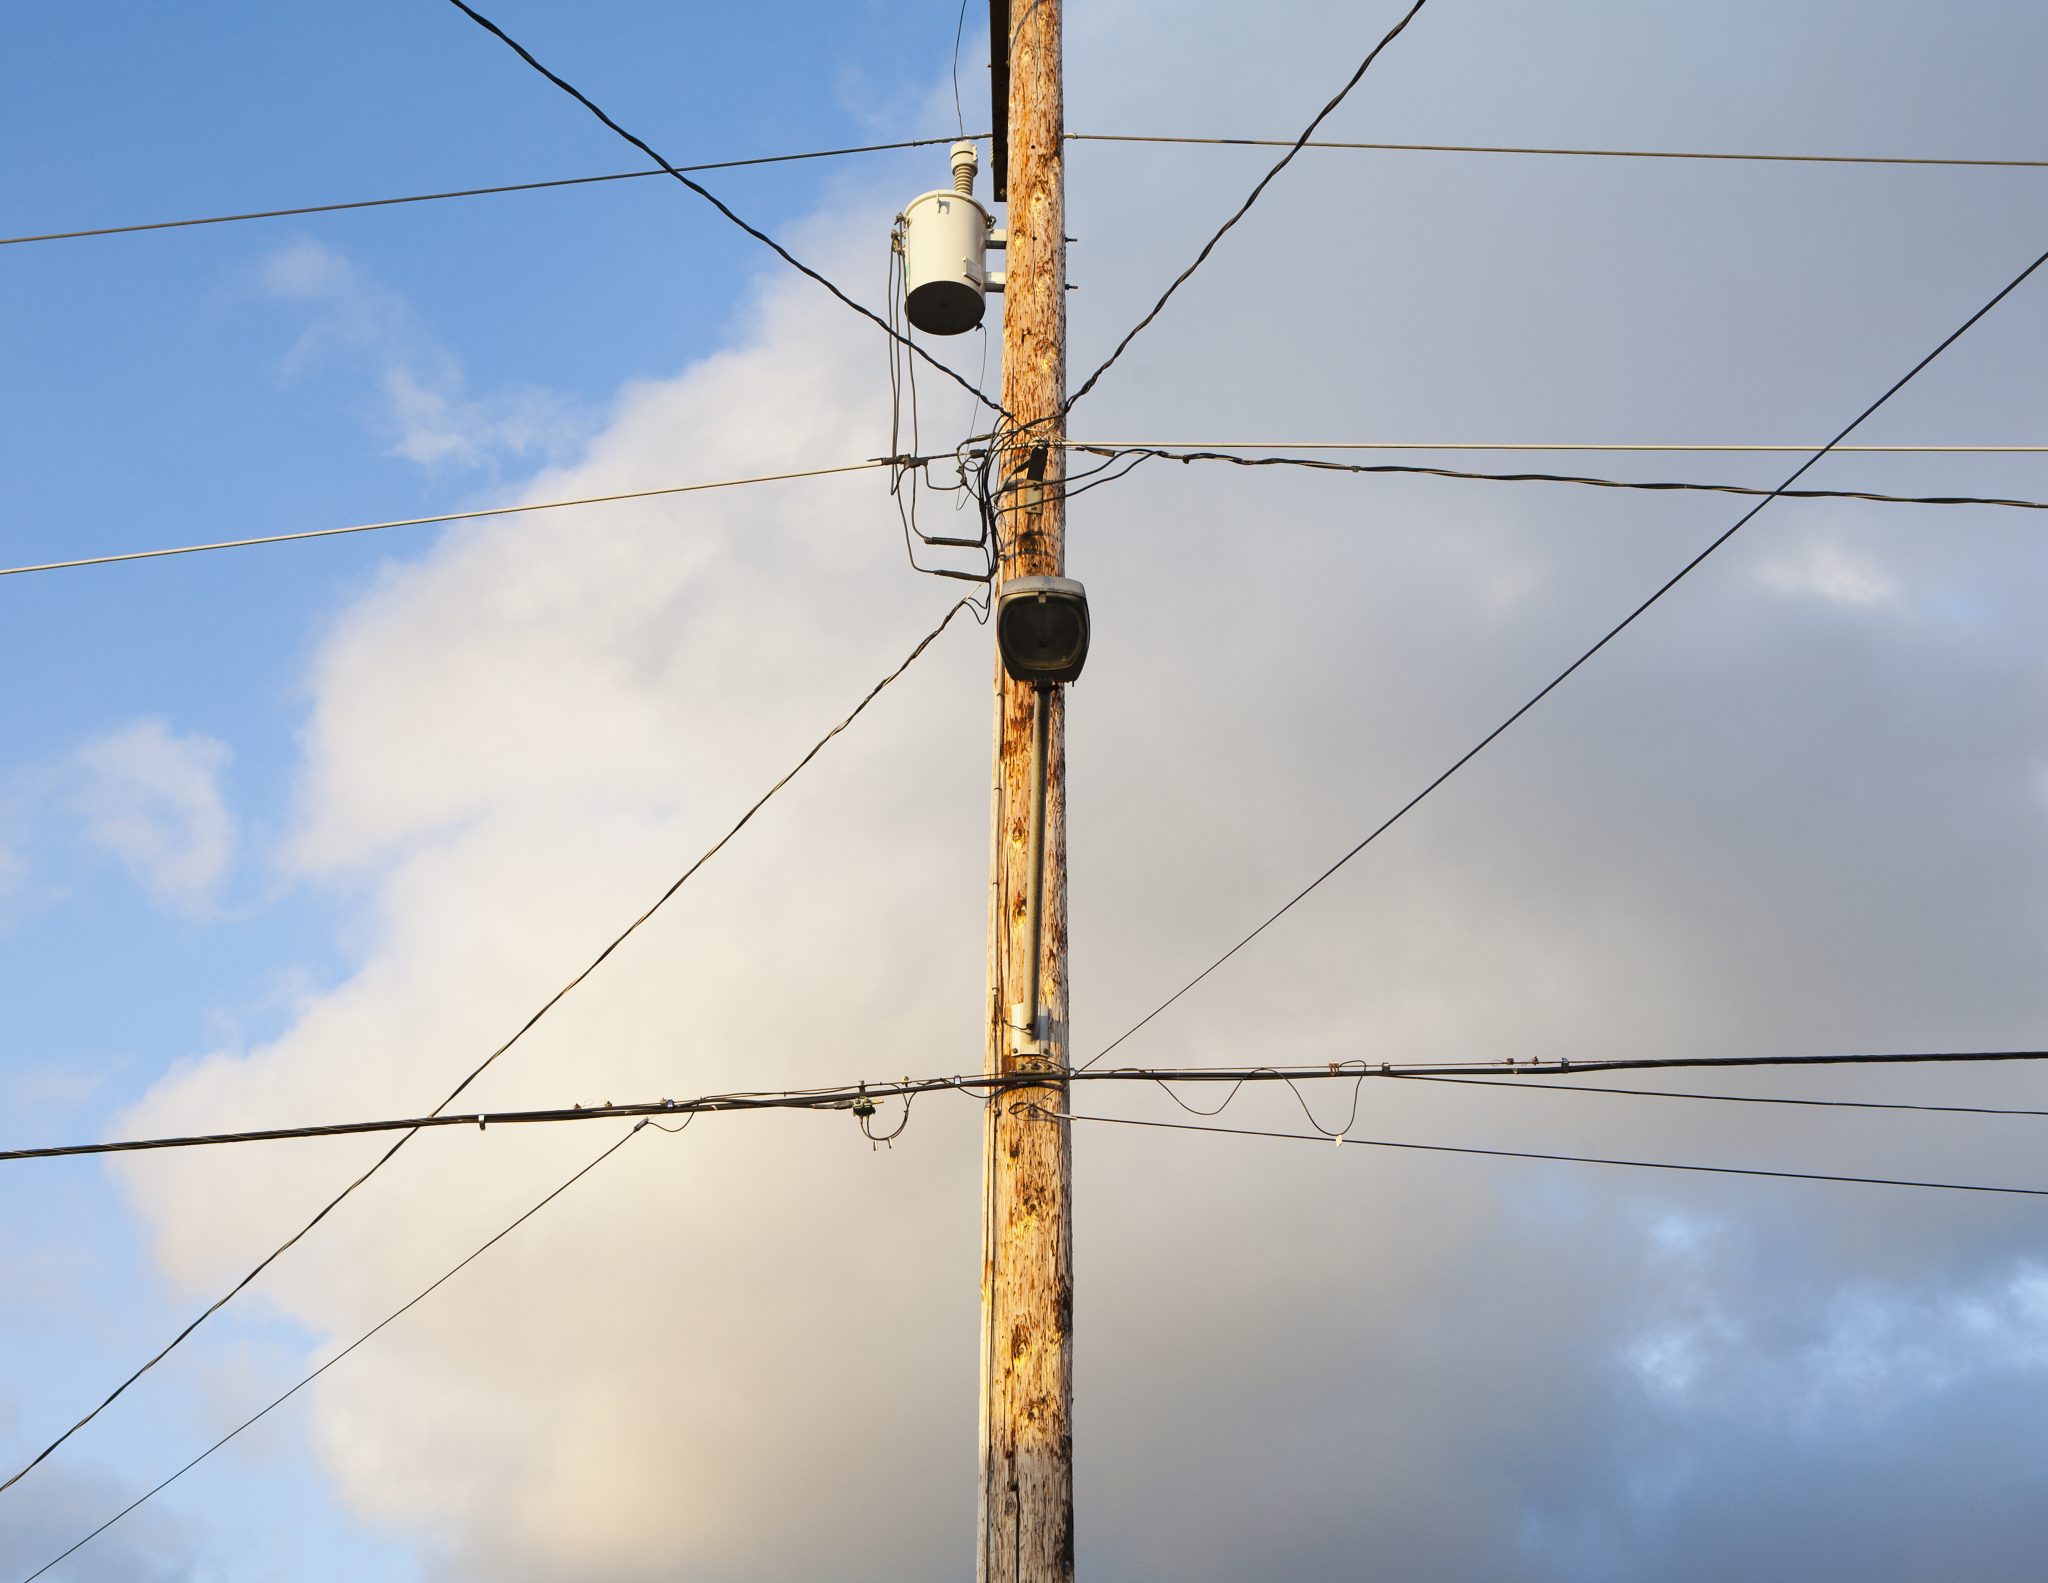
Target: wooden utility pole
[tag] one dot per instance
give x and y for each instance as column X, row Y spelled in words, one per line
column 1027, row 1470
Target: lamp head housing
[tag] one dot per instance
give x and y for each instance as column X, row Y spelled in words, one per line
column 1042, row 628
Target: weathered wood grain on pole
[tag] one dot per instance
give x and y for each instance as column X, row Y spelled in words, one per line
column 1027, row 1476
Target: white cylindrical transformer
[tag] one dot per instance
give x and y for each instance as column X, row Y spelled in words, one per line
column 945, row 254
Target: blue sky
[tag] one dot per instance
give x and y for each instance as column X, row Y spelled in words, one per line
column 295, row 831
column 163, row 390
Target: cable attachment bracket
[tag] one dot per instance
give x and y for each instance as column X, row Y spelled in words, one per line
column 863, row 1108
column 1029, row 1035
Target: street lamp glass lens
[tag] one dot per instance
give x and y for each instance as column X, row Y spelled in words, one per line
column 1041, row 635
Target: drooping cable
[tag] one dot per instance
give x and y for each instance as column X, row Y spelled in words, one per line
column 909, row 473
column 708, row 196
column 482, row 1066
column 278, row 1401
column 1570, row 670
column 1244, row 208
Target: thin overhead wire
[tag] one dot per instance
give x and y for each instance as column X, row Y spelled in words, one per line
column 1724, row 1099
column 1317, row 464
column 959, row 30
column 1244, row 208
column 710, row 197
column 1572, row 153
column 465, row 192
column 1072, row 137
column 445, row 516
column 907, row 464
column 1570, row 670
column 1692, row 1063
column 1533, row 1154
column 842, row 1098
column 482, row 1066
column 853, row 1095
column 278, row 1401
column 1510, row 1073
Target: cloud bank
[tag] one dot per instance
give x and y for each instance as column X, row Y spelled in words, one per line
column 1799, row 810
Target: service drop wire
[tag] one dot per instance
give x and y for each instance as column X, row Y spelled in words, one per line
column 409, row 1133
column 609, row 1150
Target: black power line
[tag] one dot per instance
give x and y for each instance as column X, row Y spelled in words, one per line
column 1146, row 453
column 552, row 1001
column 1606, row 638
column 278, row 1401
column 848, row 1097
column 1571, row 1159
column 853, row 1096
column 1244, row 208
column 713, row 199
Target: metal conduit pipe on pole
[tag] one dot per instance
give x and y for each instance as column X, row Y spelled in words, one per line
column 1033, row 1020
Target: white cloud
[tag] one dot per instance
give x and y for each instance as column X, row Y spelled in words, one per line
column 514, row 780
column 1828, row 570
column 153, row 798
column 425, row 410
column 515, row 739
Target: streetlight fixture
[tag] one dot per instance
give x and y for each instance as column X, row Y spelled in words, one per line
column 1042, row 628
column 1042, row 633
